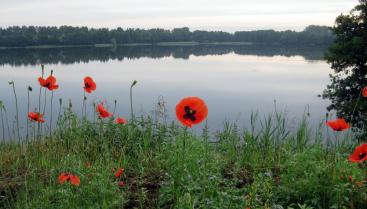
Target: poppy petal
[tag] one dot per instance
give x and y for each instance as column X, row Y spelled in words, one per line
column 121, row 120
column 103, row 113
column 63, row 177
column 364, row 92
column 74, row 180
column 338, row 125
column 119, row 172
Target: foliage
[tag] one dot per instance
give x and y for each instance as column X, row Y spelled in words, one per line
column 348, row 57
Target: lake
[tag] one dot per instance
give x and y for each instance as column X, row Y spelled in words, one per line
column 233, row 80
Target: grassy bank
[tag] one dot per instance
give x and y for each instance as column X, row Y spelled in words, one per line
column 167, row 166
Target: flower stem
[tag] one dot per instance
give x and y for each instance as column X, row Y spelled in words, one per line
column 52, row 96
column 39, row 101
column 131, row 100
column 2, row 122
column 84, row 98
column 17, row 110
column 60, row 108
column 7, row 122
column 28, row 106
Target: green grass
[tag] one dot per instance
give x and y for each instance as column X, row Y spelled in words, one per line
column 167, row 166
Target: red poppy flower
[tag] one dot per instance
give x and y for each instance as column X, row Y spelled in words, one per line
column 191, row 111
column 338, row 124
column 360, row 154
column 364, row 92
column 35, row 116
column 103, row 113
column 64, row 177
column 121, row 120
column 121, row 184
column 49, row 83
column 119, row 172
column 89, row 85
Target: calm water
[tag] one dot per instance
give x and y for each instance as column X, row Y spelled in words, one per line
column 233, row 80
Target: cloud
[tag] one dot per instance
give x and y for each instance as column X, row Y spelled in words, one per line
column 170, row 13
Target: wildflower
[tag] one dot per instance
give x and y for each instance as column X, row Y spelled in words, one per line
column 103, row 113
column 64, row 177
column 89, row 85
column 119, row 172
column 360, row 154
column 350, row 178
column 49, row 83
column 35, row 116
column 364, row 92
column 121, row 184
column 338, row 125
column 121, row 120
column 191, row 111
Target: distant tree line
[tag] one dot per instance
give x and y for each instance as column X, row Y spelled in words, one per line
column 16, row 36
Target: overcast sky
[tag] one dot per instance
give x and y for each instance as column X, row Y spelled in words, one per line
column 227, row 15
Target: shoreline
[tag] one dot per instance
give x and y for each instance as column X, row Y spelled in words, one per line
column 133, row 44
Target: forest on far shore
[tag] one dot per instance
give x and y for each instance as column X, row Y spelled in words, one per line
column 16, row 36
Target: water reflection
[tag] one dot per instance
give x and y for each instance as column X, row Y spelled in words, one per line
column 234, row 81
column 17, row 57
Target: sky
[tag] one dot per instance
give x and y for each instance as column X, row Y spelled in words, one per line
column 225, row 15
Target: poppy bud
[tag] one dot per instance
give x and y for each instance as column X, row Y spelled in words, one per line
column 134, row 83
column 11, row 82
column 30, row 88
column 121, row 184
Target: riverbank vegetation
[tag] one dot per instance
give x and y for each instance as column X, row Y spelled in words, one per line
column 145, row 163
